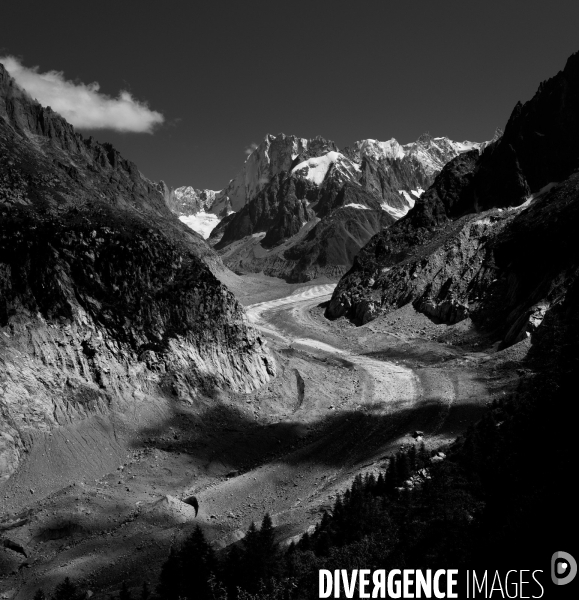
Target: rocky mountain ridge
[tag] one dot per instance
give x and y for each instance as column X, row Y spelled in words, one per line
column 200, row 210
column 282, row 153
column 272, row 156
column 186, row 200
column 106, row 299
column 287, row 217
column 431, row 152
column 492, row 238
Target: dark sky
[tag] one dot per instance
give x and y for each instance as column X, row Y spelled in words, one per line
column 226, row 73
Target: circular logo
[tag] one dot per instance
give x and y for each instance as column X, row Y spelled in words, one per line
column 563, row 568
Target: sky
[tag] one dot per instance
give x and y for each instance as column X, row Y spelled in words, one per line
column 185, row 88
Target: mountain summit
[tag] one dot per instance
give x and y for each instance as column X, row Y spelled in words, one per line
column 493, row 239
column 302, row 208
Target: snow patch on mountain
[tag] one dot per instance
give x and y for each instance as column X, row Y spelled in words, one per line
column 202, row 222
column 353, row 205
column 397, row 213
column 530, row 199
column 465, row 146
column 431, row 152
column 410, row 198
column 188, row 194
column 316, row 169
column 380, row 150
column 186, row 200
column 434, row 153
column 273, row 155
column 411, row 201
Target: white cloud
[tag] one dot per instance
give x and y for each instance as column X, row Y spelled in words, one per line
column 82, row 105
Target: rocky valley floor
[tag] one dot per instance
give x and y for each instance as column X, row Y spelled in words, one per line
column 100, row 501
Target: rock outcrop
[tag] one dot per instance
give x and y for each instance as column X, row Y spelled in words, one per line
column 398, row 174
column 200, row 210
column 493, row 238
column 185, row 201
column 272, row 156
column 105, row 297
column 321, row 205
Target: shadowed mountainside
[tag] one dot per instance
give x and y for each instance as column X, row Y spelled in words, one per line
column 104, row 294
column 319, row 209
column 493, row 237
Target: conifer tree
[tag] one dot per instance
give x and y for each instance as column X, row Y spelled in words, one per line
column 266, row 535
column 197, row 563
column 125, row 593
column 338, row 509
column 412, row 458
column 66, row 591
column 169, row 585
column 268, row 549
column 323, row 543
column 254, row 560
column 305, row 543
column 380, row 488
column 186, row 572
column 422, row 455
column 232, row 569
column 249, row 560
column 324, row 524
column 145, row 591
column 392, row 474
column 403, row 467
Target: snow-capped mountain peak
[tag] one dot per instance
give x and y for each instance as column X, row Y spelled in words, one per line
column 193, row 200
column 394, row 174
column 199, row 209
column 431, row 152
column 276, row 153
column 202, row 222
column 315, row 169
column 380, row 150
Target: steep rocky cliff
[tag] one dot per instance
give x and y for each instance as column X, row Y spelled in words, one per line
column 186, row 200
column 200, row 210
column 272, row 156
column 284, row 234
column 493, row 237
column 105, row 297
column 322, row 205
column 398, row 174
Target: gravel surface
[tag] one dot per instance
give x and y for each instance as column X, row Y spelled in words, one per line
column 344, row 399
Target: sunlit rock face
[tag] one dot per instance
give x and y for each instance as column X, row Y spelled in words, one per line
column 305, row 208
column 493, row 239
column 200, row 210
column 106, row 299
column 272, row 156
column 186, row 200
